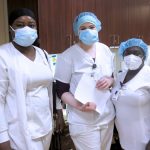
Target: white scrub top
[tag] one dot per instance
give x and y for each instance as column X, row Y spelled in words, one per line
column 25, row 102
column 37, row 100
column 132, row 106
column 70, row 67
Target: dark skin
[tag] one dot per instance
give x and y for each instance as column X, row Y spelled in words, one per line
column 21, row 22
column 5, row 146
column 132, row 73
column 30, row 53
column 148, row 146
column 138, row 52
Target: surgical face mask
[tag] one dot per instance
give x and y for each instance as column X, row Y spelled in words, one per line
column 25, row 36
column 88, row 36
column 133, row 62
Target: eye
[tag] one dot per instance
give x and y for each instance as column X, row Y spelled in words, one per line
column 32, row 25
column 126, row 53
column 137, row 53
column 83, row 28
column 19, row 25
column 92, row 27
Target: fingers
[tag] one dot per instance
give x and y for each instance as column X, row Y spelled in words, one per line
column 89, row 106
column 104, row 83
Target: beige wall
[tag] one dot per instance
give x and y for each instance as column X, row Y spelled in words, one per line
column 4, row 36
column 117, row 61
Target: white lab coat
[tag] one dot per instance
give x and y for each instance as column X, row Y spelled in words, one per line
column 25, row 105
column 132, row 103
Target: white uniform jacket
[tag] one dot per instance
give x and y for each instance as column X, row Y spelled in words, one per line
column 25, row 105
column 132, row 105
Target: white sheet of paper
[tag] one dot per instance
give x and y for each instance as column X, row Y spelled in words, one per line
column 86, row 91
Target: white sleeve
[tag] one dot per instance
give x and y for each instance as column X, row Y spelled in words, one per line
column 4, row 137
column 63, row 68
column 3, row 90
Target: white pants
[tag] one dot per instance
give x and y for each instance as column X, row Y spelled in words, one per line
column 92, row 137
column 42, row 143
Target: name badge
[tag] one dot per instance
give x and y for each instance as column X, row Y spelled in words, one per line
column 115, row 95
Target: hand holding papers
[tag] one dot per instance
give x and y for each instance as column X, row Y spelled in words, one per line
column 86, row 91
column 89, row 106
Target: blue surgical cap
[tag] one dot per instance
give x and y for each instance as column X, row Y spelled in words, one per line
column 133, row 42
column 83, row 18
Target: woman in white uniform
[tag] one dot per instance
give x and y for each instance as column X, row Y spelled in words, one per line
column 131, row 96
column 84, row 76
column 25, row 88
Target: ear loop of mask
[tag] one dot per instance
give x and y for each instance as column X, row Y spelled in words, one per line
column 12, row 35
column 12, row 28
column 142, row 57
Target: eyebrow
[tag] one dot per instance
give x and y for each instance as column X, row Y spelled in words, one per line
column 18, row 21
column 87, row 26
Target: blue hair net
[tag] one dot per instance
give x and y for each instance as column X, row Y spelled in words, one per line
column 86, row 17
column 133, row 42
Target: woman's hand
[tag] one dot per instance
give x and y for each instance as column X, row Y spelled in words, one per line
column 69, row 99
column 87, row 107
column 104, row 83
column 5, row 146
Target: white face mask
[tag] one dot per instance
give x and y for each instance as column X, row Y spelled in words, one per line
column 133, row 62
column 88, row 36
column 25, row 36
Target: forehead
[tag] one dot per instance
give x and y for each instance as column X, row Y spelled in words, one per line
column 24, row 19
column 134, row 50
column 87, row 24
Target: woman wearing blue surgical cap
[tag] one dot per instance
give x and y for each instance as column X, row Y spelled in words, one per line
column 131, row 96
column 84, row 86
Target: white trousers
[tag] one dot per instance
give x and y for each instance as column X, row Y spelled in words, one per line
column 92, row 137
column 42, row 143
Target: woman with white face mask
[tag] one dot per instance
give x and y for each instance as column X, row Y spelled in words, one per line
column 25, row 88
column 131, row 96
column 84, row 86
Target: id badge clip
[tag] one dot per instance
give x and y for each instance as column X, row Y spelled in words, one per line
column 116, row 95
